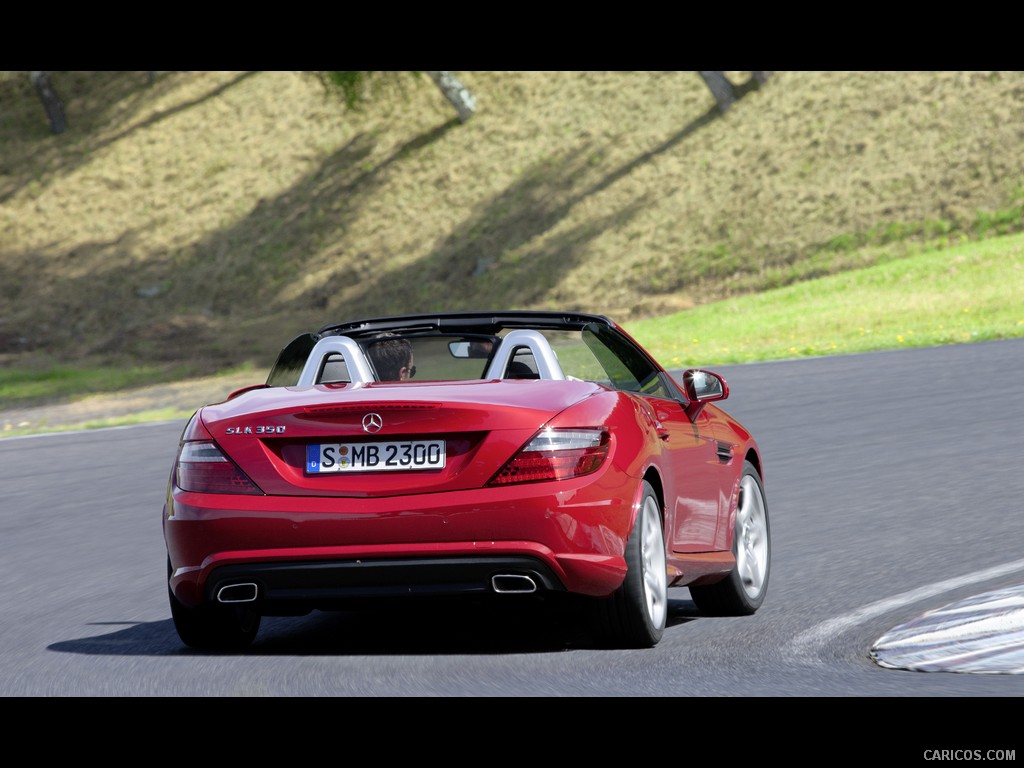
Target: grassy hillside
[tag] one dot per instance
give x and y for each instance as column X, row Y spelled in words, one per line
column 200, row 221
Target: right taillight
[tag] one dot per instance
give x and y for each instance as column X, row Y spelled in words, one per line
column 556, row 454
column 203, row 468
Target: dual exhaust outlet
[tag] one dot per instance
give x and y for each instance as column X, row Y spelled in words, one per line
column 502, row 584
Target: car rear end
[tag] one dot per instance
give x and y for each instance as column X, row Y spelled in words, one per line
column 293, row 498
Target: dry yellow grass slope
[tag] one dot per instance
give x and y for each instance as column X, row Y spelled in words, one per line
column 208, row 217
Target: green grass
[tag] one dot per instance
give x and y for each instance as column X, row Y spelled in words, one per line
column 25, row 387
column 20, row 386
column 143, row 417
column 969, row 292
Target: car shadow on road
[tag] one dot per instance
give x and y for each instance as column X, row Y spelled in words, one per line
column 414, row 630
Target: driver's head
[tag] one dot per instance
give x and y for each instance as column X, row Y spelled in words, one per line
column 392, row 358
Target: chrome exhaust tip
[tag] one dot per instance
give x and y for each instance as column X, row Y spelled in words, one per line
column 513, row 584
column 237, row 593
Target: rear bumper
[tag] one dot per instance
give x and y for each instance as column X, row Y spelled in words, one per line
column 289, row 552
column 296, row 587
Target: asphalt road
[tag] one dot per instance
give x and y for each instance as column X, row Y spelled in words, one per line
column 894, row 488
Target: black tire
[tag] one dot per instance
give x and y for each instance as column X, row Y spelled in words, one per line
column 742, row 591
column 214, row 627
column 636, row 614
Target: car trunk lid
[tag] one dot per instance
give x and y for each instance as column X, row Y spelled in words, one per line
column 293, row 441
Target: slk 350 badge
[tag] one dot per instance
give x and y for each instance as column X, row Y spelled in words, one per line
column 258, row 430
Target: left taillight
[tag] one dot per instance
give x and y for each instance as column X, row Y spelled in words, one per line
column 202, row 467
column 556, row 454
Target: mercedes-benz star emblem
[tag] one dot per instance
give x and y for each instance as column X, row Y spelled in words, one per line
column 372, row 422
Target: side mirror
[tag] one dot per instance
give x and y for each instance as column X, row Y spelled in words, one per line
column 702, row 387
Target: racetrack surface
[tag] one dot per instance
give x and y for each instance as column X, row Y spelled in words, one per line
column 893, row 487
column 907, row 414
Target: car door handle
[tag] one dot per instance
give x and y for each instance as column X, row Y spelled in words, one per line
column 663, row 434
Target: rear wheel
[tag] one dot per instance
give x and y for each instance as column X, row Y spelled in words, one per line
column 742, row 592
column 635, row 616
column 214, row 627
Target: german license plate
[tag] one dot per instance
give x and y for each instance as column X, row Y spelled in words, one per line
column 374, row 457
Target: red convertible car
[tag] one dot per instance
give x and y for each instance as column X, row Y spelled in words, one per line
column 469, row 454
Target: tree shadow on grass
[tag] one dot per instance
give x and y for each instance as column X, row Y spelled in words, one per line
column 94, row 101
column 221, row 299
column 488, row 257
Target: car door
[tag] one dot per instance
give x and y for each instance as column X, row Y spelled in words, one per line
column 693, row 477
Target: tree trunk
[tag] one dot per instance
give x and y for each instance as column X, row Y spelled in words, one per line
column 720, row 88
column 761, row 77
column 51, row 102
column 456, row 93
